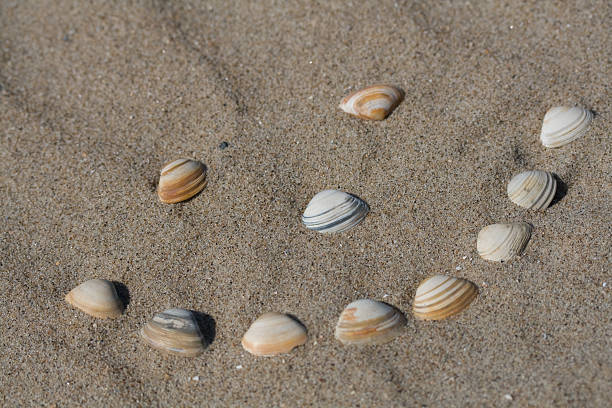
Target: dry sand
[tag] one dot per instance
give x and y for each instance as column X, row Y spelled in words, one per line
column 95, row 99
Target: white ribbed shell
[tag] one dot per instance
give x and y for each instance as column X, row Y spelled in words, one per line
column 501, row 242
column 334, row 211
column 563, row 125
column 368, row 321
column 533, row 189
column 442, row 296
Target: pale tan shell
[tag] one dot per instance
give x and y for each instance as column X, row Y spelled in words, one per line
column 174, row 331
column 374, row 102
column 533, row 189
column 442, row 296
column 501, row 242
column 273, row 333
column 563, row 125
column 96, row 297
column 180, row 180
column 368, row 321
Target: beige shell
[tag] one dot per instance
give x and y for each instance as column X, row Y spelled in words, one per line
column 334, row 211
column 96, row 297
column 563, row 125
column 501, row 242
column 374, row 102
column 442, row 296
column 273, row 333
column 533, row 189
column 368, row 321
column 174, row 331
column 180, row 180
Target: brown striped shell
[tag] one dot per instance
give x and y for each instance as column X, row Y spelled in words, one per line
column 368, row 321
column 442, row 296
column 374, row 102
column 174, row 331
column 180, row 180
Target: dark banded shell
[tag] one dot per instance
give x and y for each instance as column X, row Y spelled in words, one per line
column 180, row 180
column 374, row 102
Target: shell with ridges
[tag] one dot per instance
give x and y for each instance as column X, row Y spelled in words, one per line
column 273, row 333
column 442, row 296
column 180, row 180
column 174, row 331
column 501, row 242
column 563, row 124
column 533, row 189
column 374, row 102
column 96, row 297
column 334, row 211
column 368, row 321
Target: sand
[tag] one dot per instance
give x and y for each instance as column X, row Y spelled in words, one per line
column 95, row 99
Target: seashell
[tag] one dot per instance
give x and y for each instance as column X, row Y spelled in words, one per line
column 369, row 322
column 374, row 102
column 501, row 242
column 181, row 180
column 174, row 331
column 273, row 333
column 533, row 189
column 563, row 125
column 334, row 211
column 442, row 296
column 96, row 297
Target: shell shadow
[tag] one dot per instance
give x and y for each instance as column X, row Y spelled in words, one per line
column 295, row 319
column 123, row 293
column 207, row 325
column 561, row 190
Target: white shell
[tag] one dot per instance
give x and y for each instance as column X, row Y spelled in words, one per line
column 563, row 125
column 374, row 102
column 533, row 189
column 368, row 321
column 334, row 211
column 96, row 297
column 501, row 242
column 273, row 333
column 442, row 296
column 174, row 331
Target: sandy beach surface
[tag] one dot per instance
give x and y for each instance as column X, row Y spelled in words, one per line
column 95, row 98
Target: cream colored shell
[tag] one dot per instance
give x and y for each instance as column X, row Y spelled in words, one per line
column 180, row 180
column 368, row 321
column 442, row 296
column 533, row 189
column 502, row 242
column 374, row 102
column 174, row 331
column 96, row 297
column 563, row 124
column 273, row 333
column 334, row 211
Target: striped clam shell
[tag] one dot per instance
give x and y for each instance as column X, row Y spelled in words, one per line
column 442, row 296
column 334, row 211
column 374, row 102
column 368, row 321
column 180, row 180
column 533, row 189
column 174, row 331
column 502, row 242
column 273, row 333
column 96, row 297
column 563, row 124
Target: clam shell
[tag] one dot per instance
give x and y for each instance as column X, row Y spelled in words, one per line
column 96, row 297
column 174, row 331
column 501, row 242
column 533, row 189
column 374, row 102
column 334, row 211
column 181, row 180
column 273, row 333
column 442, row 296
column 563, row 125
column 369, row 322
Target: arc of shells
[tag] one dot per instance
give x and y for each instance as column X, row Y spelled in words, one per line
column 180, row 180
column 533, row 189
column 563, row 125
column 96, row 297
column 375, row 102
column 273, row 333
column 502, row 242
column 442, row 296
column 174, row 331
column 334, row 211
column 368, row 321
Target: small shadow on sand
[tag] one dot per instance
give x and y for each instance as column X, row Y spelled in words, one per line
column 292, row 317
column 561, row 191
column 123, row 292
column 207, row 326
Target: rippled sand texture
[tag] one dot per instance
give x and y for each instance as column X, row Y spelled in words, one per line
column 95, row 99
